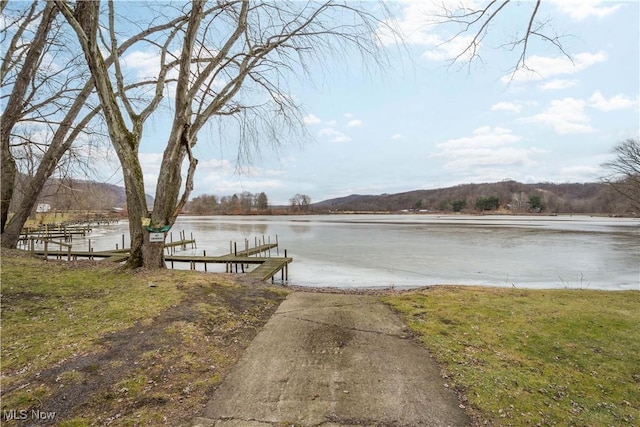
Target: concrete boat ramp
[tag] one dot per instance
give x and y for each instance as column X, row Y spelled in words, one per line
column 333, row 360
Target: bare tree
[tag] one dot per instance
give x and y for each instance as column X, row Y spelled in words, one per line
column 623, row 172
column 15, row 104
column 57, row 100
column 234, row 59
column 477, row 22
column 300, row 202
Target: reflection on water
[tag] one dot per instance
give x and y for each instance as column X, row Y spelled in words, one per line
column 418, row 250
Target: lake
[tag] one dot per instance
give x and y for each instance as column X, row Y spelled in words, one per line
column 352, row 251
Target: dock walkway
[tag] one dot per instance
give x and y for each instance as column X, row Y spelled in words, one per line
column 267, row 266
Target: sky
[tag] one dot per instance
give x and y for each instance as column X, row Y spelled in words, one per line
column 420, row 122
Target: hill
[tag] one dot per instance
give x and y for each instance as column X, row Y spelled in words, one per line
column 73, row 195
column 511, row 195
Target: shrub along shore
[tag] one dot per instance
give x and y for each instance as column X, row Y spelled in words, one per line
column 96, row 345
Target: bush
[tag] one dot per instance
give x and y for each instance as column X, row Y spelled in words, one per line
column 459, row 205
column 487, row 203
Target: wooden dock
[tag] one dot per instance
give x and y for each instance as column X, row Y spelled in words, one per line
column 266, row 267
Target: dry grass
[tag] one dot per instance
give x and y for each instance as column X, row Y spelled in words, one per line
column 534, row 357
column 99, row 346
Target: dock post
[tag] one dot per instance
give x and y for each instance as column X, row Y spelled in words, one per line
column 204, row 254
column 286, row 267
column 277, row 247
column 123, row 241
column 46, row 249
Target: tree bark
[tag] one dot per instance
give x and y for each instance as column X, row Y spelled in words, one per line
column 8, row 177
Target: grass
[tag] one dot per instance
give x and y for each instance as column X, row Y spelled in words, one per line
column 534, row 357
column 101, row 346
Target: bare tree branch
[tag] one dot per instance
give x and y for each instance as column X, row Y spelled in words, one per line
column 477, row 23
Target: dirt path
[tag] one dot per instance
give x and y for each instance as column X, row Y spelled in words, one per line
column 333, row 360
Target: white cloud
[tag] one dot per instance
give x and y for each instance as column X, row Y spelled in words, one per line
column 618, row 102
column 334, row 135
column 544, row 67
column 221, row 177
column 311, row 119
column 507, row 106
column 150, row 163
column 418, row 22
column 398, row 136
column 146, row 63
column 216, row 165
column 488, row 146
column 354, row 123
column 485, row 136
column 446, row 50
column 582, row 9
column 557, row 84
column 565, row 116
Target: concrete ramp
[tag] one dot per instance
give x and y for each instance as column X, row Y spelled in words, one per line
column 333, row 360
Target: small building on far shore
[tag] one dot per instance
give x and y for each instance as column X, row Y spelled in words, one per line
column 43, row 208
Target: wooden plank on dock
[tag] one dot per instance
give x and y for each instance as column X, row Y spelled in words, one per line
column 269, row 268
column 224, row 259
column 117, row 258
column 256, row 250
column 81, row 254
column 180, row 243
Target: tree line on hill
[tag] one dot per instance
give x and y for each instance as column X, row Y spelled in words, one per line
column 64, row 195
column 508, row 196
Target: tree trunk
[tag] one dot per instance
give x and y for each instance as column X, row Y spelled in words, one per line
column 136, row 203
column 8, row 176
column 164, row 206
